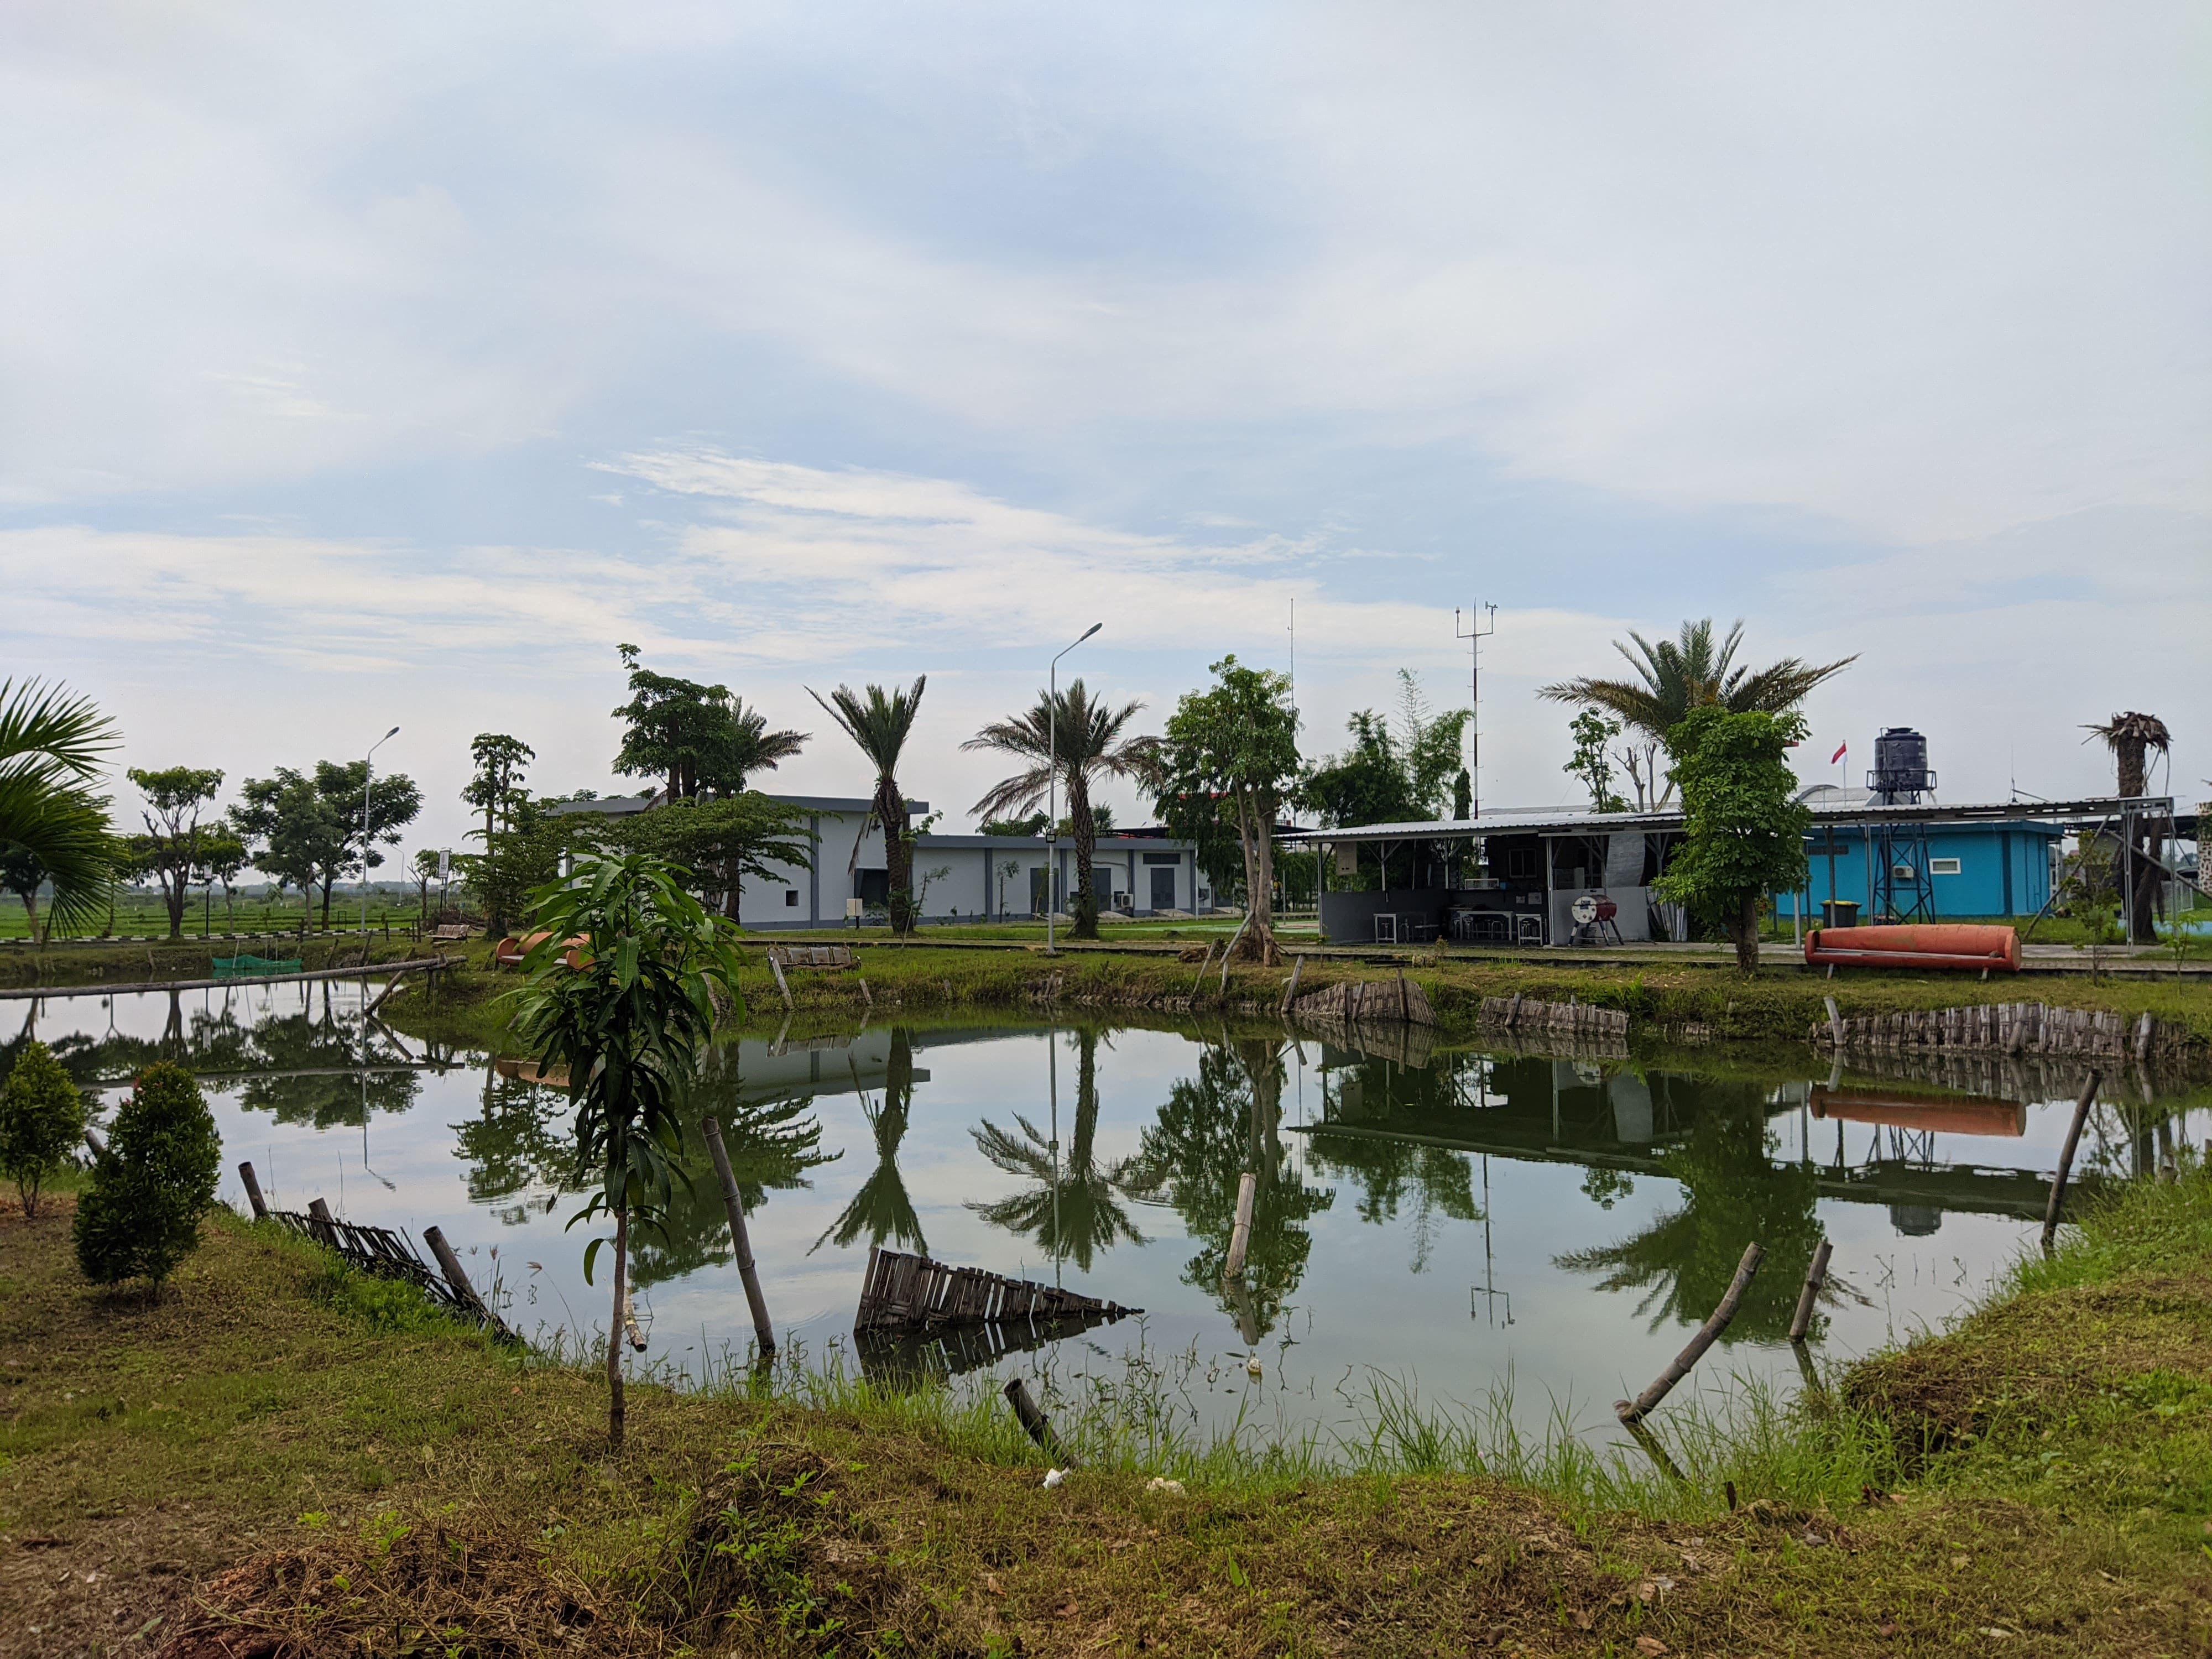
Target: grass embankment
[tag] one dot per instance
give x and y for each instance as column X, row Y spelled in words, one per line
column 131, row 962
column 1689, row 1001
column 281, row 1459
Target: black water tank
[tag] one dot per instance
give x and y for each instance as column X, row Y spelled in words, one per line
column 1901, row 771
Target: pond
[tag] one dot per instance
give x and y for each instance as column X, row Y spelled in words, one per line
column 1467, row 1219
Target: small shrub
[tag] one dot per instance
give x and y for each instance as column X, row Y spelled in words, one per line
column 42, row 1116
column 141, row 1215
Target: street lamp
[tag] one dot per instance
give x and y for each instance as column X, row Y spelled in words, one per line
column 1052, row 780
column 368, row 782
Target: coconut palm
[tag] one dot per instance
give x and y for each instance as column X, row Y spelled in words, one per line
column 1088, row 735
column 879, row 723
column 51, row 746
column 2133, row 738
column 1075, row 1208
column 1689, row 671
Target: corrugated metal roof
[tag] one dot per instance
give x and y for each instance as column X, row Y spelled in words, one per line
column 1538, row 821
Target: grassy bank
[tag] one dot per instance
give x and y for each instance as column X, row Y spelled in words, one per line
column 282, row 1458
column 1685, row 1002
column 130, row 963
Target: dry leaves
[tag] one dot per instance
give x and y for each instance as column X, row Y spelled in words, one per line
column 1651, row 1646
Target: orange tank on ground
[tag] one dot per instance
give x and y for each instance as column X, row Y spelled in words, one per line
column 1915, row 945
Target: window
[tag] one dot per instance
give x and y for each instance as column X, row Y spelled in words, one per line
column 790, row 897
column 1942, row 866
column 1163, row 858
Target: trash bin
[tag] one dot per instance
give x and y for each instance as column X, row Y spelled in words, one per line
column 1839, row 913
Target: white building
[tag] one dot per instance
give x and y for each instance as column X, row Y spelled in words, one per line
column 957, row 878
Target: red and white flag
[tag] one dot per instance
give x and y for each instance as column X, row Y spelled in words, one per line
column 1842, row 748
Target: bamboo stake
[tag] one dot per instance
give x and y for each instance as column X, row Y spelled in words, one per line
column 326, row 1229
column 740, row 1241
column 1240, row 1240
column 2066, row 1160
column 450, row 1265
column 1815, row 1277
column 1835, row 1023
column 1634, row 1411
column 776, row 968
column 1203, row 963
column 253, row 1192
column 1291, row 993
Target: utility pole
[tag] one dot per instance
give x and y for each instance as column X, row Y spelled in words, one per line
column 1475, row 633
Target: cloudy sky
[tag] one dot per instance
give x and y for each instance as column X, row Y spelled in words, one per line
column 391, row 364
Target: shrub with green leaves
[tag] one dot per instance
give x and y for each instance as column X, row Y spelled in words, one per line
column 141, row 1215
column 42, row 1116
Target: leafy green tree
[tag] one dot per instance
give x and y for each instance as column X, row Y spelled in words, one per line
column 22, row 874
column 744, row 745
column 423, row 867
column 170, row 849
column 497, row 779
column 141, row 1215
column 222, row 856
column 879, row 724
column 720, row 841
column 1692, row 671
column 525, row 855
column 627, row 1025
column 1392, row 774
column 371, row 813
column 1743, row 826
column 42, row 1118
column 52, row 745
column 1234, row 746
column 1088, row 734
column 291, row 829
column 1029, row 826
column 1592, row 732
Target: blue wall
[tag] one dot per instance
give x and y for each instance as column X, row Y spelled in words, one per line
column 2004, row 869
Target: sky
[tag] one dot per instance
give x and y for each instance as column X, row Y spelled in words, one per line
column 391, row 365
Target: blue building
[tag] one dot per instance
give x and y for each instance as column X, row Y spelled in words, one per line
column 1969, row 869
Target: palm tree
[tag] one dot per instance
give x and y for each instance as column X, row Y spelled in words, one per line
column 747, row 746
column 1074, row 1209
column 2132, row 739
column 51, row 746
column 1088, row 734
column 880, row 723
column 882, row 1208
column 1692, row 671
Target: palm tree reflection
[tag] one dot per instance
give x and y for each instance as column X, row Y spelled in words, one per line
column 882, row 1208
column 1074, row 1209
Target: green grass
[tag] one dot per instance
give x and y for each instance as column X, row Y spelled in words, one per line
column 282, row 1451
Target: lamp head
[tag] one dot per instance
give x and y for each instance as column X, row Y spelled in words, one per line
column 1089, row 631
column 393, row 733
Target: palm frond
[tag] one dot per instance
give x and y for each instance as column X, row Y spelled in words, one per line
column 46, row 728
column 66, row 831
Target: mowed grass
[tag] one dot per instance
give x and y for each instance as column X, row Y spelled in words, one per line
column 277, row 1458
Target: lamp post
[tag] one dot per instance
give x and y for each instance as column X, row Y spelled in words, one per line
column 1052, row 781
column 367, row 782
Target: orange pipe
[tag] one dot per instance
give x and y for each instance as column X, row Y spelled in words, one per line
column 1951, row 1115
column 510, row 950
column 1924, row 944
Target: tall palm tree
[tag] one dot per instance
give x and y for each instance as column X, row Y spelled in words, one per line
column 52, row 746
column 1074, row 1209
column 1692, row 671
column 879, row 724
column 1088, row 735
column 2133, row 738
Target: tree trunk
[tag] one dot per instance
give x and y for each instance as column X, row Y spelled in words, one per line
column 1083, row 901
column 31, row 912
column 172, row 899
column 1256, row 829
column 1744, row 931
column 898, row 855
column 329, row 882
column 614, row 1329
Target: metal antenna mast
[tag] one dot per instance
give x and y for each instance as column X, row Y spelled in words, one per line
column 1475, row 633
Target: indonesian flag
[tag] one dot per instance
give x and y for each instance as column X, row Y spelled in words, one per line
column 1841, row 749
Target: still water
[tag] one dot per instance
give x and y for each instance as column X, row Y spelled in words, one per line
column 1454, row 1217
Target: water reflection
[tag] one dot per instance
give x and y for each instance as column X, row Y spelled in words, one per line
column 882, row 1209
column 1073, row 1206
column 1213, row 1127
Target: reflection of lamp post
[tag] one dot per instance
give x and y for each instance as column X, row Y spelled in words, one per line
column 1052, row 781
column 1052, row 1074
column 368, row 782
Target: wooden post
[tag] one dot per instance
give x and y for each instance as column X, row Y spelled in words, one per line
column 450, row 1265
column 1815, row 1277
column 2066, row 1160
column 253, row 1192
column 327, row 1227
column 1513, row 1013
column 1633, row 1412
column 1835, row 1023
column 776, row 968
column 1248, row 1188
column 866, row 996
column 1202, row 965
column 1034, row 1420
column 1405, row 1007
column 1291, row 993
column 740, row 1241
